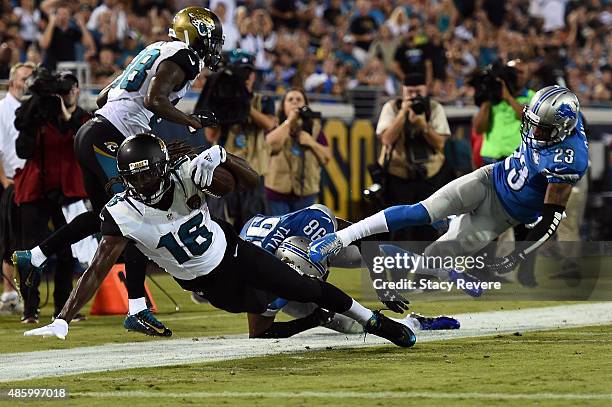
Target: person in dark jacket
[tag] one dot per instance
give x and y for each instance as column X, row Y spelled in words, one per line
column 51, row 178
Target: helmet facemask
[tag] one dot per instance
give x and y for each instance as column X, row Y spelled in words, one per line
column 147, row 183
column 535, row 134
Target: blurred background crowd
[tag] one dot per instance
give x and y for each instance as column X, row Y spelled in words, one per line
column 330, row 47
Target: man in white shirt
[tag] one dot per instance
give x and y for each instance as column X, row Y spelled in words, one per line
column 115, row 8
column 9, row 162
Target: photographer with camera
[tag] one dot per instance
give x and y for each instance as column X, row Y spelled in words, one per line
column 413, row 131
column 298, row 150
column 244, row 118
column 51, row 177
column 500, row 94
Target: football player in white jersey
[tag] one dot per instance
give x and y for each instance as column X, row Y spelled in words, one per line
column 164, row 214
column 152, row 83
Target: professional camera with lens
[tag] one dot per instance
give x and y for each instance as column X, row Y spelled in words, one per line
column 486, row 85
column 306, row 113
column 226, row 95
column 44, row 89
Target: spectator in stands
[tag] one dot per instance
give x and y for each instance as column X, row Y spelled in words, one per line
column 9, row 163
column 384, row 46
column 363, row 25
column 284, row 14
column 298, row 150
column 49, row 180
column 411, row 57
column 413, row 131
column 105, row 70
column 61, row 35
column 350, row 54
column 110, row 13
column 323, row 82
column 500, row 123
column 258, row 37
column 29, row 18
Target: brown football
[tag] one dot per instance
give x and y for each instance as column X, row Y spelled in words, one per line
column 222, row 184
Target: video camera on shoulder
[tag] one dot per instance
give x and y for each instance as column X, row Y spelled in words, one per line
column 44, row 89
column 487, row 87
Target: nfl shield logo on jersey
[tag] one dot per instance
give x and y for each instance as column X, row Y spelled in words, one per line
column 536, row 157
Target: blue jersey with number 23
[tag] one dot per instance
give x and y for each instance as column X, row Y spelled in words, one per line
column 521, row 179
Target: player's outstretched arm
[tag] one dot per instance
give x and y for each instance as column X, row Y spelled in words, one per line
column 555, row 200
column 168, row 77
column 109, row 250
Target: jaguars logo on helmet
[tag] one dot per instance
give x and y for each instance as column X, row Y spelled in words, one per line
column 294, row 252
column 201, row 30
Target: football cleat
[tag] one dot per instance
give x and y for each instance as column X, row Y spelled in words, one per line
column 436, row 323
column 324, row 247
column 473, row 290
column 144, row 322
column 396, row 332
column 22, row 262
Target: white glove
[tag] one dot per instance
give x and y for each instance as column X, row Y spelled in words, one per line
column 203, row 166
column 58, row 328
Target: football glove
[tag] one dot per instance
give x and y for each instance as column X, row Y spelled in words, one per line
column 394, row 301
column 504, row 265
column 144, row 322
column 203, row 166
column 57, row 328
column 206, row 118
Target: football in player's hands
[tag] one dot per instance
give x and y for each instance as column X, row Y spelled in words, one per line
column 222, row 184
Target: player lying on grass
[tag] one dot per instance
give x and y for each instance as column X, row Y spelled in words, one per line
column 535, row 181
column 164, row 214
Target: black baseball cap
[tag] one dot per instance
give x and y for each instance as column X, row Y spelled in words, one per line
column 414, row 79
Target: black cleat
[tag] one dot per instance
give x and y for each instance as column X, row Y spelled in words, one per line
column 394, row 331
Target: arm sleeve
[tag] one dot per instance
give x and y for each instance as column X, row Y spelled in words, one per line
column 544, row 230
column 188, row 61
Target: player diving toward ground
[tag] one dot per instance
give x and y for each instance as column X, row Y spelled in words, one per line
column 156, row 79
column 535, row 181
column 288, row 236
column 203, row 255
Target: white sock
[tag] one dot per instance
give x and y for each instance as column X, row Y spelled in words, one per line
column 359, row 313
column 371, row 225
column 136, row 305
column 9, row 296
column 38, row 258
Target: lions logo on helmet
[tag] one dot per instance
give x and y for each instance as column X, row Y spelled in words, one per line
column 201, row 30
column 550, row 116
column 294, row 252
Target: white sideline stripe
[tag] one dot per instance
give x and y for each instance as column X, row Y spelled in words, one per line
column 166, row 352
column 349, row 394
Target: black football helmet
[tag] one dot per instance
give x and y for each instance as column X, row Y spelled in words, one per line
column 201, row 30
column 144, row 167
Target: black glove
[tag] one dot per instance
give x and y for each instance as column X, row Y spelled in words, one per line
column 504, row 265
column 394, row 301
column 206, row 117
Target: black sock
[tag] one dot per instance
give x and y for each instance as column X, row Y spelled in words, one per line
column 287, row 329
column 86, row 224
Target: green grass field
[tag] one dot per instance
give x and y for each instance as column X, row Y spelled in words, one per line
column 560, row 367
